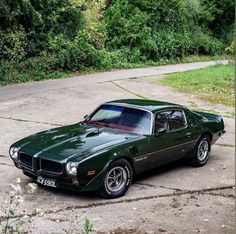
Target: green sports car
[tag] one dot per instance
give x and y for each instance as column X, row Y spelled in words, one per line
column 117, row 141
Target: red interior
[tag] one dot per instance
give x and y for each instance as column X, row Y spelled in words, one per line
column 117, row 126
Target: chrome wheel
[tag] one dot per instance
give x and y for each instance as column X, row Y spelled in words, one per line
column 116, row 179
column 203, row 149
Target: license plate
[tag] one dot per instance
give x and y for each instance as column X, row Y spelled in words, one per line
column 47, row 182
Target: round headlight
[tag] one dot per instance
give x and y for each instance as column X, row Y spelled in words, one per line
column 14, row 152
column 71, row 168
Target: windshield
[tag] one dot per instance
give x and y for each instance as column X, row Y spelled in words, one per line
column 124, row 118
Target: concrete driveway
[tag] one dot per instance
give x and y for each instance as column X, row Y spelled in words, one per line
column 170, row 199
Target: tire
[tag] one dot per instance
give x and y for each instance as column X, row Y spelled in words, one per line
column 201, row 152
column 117, row 180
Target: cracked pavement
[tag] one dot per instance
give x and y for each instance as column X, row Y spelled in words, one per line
column 175, row 198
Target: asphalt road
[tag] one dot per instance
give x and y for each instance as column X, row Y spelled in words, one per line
column 170, row 199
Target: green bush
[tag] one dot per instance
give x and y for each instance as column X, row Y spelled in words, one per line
column 13, row 45
column 155, row 30
column 203, row 43
column 42, row 37
column 73, row 54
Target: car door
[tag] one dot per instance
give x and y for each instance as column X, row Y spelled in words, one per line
column 171, row 139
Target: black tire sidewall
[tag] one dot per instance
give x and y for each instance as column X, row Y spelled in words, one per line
column 105, row 192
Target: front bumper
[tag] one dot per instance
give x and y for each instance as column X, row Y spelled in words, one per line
column 66, row 182
column 62, row 182
column 82, row 182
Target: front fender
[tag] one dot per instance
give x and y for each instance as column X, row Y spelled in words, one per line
column 97, row 182
column 92, row 171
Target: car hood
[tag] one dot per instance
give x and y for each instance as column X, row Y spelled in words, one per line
column 76, row 140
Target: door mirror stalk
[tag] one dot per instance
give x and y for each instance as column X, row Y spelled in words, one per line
column 86, row 118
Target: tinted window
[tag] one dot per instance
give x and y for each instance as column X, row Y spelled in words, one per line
column 124, row 118
column 170, row 120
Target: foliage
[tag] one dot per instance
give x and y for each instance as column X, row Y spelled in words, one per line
column 27, row 24
column 220, row 18
column 154, row 30
column 12, row 224
column 31, row 69
column 88, row 227
column 230, row 49
column 61, row 36
column 11, row 227
column 214, row 84
column 12, row 45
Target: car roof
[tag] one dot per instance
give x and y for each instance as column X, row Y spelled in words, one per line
column 145, row 104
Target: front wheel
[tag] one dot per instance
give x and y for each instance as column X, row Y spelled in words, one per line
column 201, row 152
column 117, row 179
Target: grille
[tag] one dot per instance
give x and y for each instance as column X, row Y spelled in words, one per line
column 50, row 166
column 26, row 160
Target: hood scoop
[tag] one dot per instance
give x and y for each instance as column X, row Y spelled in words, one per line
column 94, row 133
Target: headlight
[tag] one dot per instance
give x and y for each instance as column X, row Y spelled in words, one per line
column 71, row 168
column 14, row 152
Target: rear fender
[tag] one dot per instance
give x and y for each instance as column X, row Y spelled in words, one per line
column 209, row 116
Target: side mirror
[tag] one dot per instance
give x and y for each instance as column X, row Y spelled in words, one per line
column 86, row 117
column 160, row 131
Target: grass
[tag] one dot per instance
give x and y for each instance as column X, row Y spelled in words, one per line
column 214, row 84
column 186, row 59
column 33, row 75
column 202, row 58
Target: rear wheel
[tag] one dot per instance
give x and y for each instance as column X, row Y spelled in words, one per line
column 117, row 179
column 201, row 152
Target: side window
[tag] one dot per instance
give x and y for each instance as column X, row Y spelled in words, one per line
column 161, row 121
column 170, row 120
column 176, row 120
column 190, row 117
